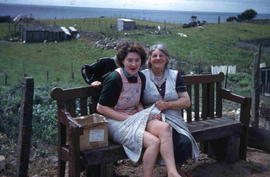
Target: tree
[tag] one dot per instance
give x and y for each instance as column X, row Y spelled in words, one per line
column 231, row 19
column 247, row 15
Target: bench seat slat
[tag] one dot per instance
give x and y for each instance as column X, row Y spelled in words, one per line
column 214, row 128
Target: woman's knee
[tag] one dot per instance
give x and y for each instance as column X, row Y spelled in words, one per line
column 155, row 141
column 165, row 127
column 152, row 140
column 159, row 128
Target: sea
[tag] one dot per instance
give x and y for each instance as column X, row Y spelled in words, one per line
column 68, row 12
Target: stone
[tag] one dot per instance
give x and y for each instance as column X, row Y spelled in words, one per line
column 2, row 162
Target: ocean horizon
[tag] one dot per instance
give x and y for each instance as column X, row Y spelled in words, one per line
column 69, row 12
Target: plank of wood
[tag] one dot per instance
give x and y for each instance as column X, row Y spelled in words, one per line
column 102, row 155
column 214, row 128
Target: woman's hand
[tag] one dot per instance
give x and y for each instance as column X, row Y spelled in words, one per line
column 110, row 112
column 161, row 105
column 95, row 84
column 156, row 116
column 182, row 102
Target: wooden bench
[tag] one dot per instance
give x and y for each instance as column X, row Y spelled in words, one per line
column 220, row 137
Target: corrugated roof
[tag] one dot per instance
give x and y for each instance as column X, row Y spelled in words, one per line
column 71, row 28
column 66, row 31
column 42, row 28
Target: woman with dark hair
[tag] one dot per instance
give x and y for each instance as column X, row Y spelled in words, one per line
column 165, row 88
column 128, row 123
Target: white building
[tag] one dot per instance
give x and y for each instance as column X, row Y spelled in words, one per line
column 125, row 24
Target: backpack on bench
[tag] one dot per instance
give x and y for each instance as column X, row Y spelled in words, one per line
column 96, row 71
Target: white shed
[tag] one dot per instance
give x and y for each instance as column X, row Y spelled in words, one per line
column 125, row 24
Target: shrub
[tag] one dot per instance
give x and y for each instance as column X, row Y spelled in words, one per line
column 240, row 83
column 247, row 15
column 231, row 19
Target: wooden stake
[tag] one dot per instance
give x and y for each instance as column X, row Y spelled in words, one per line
column 25, row 129
column 6, row 79
column 255, row 92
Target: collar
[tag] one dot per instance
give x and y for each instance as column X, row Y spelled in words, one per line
column 130, row 78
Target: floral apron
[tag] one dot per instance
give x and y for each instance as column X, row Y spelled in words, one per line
column 129, row 132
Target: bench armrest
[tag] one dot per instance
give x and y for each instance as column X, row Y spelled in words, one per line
column 228, row 95
column 244, row 117
column 244, row 101
column 66, row 119
column 73, row 130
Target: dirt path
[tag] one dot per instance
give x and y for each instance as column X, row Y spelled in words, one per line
column 45, row 165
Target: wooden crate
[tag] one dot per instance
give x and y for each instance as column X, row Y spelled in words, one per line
column 95, row 131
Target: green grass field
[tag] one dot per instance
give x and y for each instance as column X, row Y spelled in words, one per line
column 214, row 44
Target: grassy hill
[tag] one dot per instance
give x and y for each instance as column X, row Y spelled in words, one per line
column 213, row 44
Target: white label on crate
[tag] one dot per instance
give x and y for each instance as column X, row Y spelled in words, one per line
column 96, row 135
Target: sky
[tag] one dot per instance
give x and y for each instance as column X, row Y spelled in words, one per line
column 261, row 6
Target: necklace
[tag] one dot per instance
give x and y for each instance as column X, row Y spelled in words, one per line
column 159, row 78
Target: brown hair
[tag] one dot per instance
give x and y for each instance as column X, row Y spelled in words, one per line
column 159, row 47
column 125, row 47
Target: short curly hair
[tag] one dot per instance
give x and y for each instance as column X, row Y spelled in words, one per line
column 161, row 48
column 125, row 47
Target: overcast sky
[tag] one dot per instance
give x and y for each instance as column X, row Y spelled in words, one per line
column 261, row 6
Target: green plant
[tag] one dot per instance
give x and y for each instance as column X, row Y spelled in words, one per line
column 231, row 19
column 240, row 83
column 44, row 121
column 247, row 15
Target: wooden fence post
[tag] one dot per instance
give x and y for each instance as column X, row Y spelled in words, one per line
column 47, row 76
column 255, row 92
column 72, row 72
column 25, row 129
column 6, row 79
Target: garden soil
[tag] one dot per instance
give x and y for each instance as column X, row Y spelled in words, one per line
column 43, row 162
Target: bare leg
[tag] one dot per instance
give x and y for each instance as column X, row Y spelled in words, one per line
column 151, row 144
column 163, row 131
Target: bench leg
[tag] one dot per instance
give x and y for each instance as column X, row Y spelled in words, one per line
column 103, row 170
column 225, row 149
column 93, row 171
column 61, row 168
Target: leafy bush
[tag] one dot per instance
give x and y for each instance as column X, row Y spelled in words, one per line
column 240, row 83
column 247, row 15
column 9, row 113
column 44, row 122
column 231, row 19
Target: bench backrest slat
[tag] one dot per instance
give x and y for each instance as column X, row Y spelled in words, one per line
column 218, row 100
column 70, row 106
column 205, row 94
column 204, row 101
column 189, row 110
column 83, row 106
column 197, row 101
column 211, row 95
